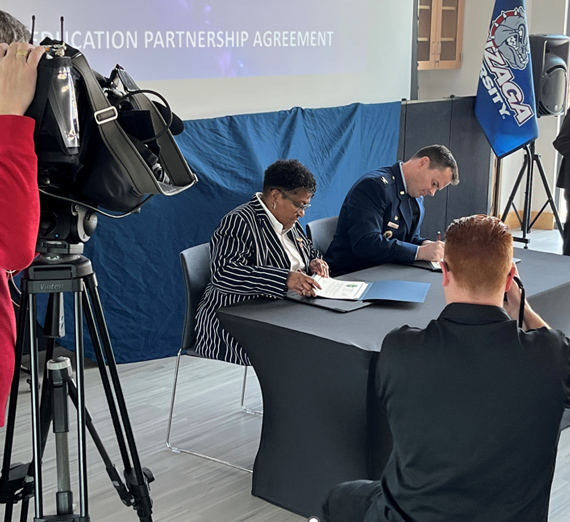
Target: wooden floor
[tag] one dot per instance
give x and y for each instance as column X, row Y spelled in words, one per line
column 187, row 488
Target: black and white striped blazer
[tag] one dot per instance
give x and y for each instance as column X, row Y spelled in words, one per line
column 247, row 260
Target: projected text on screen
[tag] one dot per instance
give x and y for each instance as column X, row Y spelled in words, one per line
column 209, row 38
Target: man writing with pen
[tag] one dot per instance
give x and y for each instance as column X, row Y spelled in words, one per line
column 380, row 218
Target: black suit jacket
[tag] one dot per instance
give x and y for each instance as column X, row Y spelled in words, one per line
column 562, row 145
column 474, row 406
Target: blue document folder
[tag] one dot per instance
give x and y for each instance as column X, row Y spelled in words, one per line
column 406, row 291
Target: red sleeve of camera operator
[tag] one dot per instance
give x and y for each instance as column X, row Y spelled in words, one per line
column 19, row 197
column 19, row 220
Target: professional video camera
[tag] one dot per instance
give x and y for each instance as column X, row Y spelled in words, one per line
column 101, row 143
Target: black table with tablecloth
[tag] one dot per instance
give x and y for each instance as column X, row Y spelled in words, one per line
column 320, row 423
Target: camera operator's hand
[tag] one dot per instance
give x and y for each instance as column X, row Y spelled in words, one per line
column 512, row 304
column 18, row 75
column 512, row 301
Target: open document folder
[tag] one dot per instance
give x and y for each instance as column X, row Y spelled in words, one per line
column 346, row 296
column 407, row 291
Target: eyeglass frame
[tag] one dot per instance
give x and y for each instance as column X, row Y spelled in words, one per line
column 299, row 207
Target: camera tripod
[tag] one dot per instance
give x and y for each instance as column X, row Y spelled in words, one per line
column 60, row 269
column 527, row 168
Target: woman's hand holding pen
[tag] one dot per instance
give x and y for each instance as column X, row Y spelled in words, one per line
column 302, row 284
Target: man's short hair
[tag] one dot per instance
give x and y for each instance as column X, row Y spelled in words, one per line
column 479, row 253
column 289, row 175
column 12, row 30
column 440, row 158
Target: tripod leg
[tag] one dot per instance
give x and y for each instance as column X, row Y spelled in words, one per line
column 81, row 440
column 11, row 417
column 125, row 496
column 36, row 424
column 12, row 481
column 136, row 477
column 514, row 191
column 59, row 373
column 96, row 340
column 525, row 225
column 18, row 480
column 550, row 199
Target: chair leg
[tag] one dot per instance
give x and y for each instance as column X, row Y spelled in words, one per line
column 176, row 449
column 243, row 406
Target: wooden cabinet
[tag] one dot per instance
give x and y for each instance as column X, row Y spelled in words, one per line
column 440, row 31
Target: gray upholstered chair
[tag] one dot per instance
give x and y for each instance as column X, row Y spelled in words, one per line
column 196, row 269
column 321, row 232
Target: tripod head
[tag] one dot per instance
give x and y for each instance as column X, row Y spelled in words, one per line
column 64, row 223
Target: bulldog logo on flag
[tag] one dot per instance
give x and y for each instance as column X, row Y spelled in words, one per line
column 505, row 103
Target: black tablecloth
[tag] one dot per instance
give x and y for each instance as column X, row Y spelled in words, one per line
column 314, row 371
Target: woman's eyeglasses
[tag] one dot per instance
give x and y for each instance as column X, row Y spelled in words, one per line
column 300, row 208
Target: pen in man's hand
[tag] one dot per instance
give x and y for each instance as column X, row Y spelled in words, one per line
column 438, row 235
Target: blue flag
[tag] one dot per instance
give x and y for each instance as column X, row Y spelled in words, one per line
column 505, row 102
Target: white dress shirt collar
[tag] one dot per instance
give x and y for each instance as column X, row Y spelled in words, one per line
column 403, row 178
column 295, row 258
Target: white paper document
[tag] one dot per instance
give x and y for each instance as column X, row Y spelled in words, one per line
column 430, row 265
column 337, row 289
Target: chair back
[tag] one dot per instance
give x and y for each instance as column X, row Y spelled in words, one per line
column 321, row 232
column 196, row 269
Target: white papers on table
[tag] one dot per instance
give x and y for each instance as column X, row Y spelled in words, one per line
column 430, row 265
column 337, row 289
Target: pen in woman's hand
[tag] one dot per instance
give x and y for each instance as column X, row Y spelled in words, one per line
column 438, row 235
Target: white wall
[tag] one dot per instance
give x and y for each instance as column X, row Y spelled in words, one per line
column 544, row 17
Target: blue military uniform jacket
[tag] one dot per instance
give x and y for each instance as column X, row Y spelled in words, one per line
column 375, row 224
column 247, row 260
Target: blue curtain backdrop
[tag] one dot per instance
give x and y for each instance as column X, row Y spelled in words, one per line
column 136, row 259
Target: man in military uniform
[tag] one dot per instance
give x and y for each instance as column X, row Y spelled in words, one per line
column 380, row 218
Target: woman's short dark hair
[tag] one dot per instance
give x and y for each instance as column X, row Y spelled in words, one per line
column 289, row 175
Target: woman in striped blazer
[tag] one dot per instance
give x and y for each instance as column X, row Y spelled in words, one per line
column 259, row 249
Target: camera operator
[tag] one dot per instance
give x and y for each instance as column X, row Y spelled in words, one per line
column 19, row 196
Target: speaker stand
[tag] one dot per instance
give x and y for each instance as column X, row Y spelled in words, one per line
column 530, row 159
